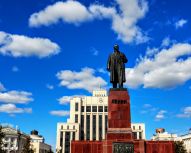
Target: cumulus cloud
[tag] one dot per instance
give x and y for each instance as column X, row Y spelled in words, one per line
column 160, row 115
column 20, row 97
column 85, row 79
column 12, row 109
column 165, row 68
column 23, row 46
column 186, row 113
column 180, row 23
column 64, row 99
column 124, row 18
column 60, row 113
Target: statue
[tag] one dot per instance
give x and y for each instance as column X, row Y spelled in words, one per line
column 116, row 67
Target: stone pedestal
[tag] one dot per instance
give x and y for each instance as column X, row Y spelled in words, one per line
column 119, row 134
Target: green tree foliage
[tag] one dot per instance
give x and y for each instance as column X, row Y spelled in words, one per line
column 179, row 147
column 2, row 135
column 26, row 148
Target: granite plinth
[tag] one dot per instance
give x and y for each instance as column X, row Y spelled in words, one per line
column 119, row 109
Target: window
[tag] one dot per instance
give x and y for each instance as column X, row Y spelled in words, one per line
column 100, row 127
column 94, row 108
column 76, row 118
column 140, row 135
column 88, row 109
column 100, row 108
column 133, row 127
column 105, row 108
column 139, row 127
column 61, row 139
column 106, row 122
column 135, row 135
column 67, row 126
column 76, row 107
column 82, row 108
column 88, row 127
column 82, row 127
column 73, row 127
column 67, row 142
column 73, row 135
column 94, row 127
column 62, row 127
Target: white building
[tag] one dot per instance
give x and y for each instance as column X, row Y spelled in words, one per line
column 37, row 143
column 14, row 140
column 88, row 121
column 161, row 135
column 186, row 138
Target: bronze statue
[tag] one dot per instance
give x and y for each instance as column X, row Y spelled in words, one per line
column 116, row 66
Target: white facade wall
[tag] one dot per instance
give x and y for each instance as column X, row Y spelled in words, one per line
column 86, row 107
column 164, row 137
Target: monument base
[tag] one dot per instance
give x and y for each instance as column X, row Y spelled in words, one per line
column 112, row 146
column 119, row 134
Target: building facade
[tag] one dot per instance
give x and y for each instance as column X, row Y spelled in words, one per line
column 161, row 135
column 14, row 140
column 38, row 144
column 88, row 121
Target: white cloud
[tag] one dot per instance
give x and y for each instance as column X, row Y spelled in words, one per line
column 186, row 113
column 85, row 79
column 124, row 16
column 166, row 69
column 20, row 97
column 160, row 115
column 69, row 11
column 51, row 87
column 2, row 88
column 64, row 99
column 180, row 23
column 12, row 109
column 15, row 69
column 166, row 42
column 23, row 46
column 60, row 113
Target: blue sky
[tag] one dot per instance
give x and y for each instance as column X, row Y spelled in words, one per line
column 51, row 50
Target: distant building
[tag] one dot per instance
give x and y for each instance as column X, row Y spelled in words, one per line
column 37, row 143
column 161, row 135
column 186, row 138
column 88, row 121
column 14, row 140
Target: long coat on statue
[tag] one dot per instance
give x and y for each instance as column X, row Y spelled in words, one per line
column 116, row 66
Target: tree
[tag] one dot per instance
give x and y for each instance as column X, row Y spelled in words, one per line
column 50, row 151
column 2, row 135
column 26, row 148
column 179, row 147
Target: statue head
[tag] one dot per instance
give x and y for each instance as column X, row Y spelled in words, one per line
column 116, row 47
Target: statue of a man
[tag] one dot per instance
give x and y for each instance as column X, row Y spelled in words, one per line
column 116, row 66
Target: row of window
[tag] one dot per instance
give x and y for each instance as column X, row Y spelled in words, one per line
column 94, row 109
column 93, row 127
column 115, row 101
column 134, row 127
